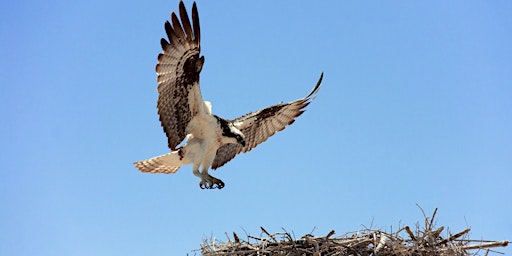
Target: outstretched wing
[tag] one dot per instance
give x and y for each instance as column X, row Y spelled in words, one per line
column 259, row 126
column 178, row 68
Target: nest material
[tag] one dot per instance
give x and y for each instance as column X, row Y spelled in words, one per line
column 424, row 241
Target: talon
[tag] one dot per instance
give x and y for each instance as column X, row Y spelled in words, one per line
column 211, row 183
column 219, row 183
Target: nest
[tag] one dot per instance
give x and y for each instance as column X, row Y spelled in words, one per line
column 426, row 240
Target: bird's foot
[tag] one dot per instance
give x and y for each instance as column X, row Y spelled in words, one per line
column 211, row 182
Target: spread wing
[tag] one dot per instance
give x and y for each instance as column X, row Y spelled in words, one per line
column 178, row 69
column 259, row 126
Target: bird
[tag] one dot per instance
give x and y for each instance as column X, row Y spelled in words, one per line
column 195, row 135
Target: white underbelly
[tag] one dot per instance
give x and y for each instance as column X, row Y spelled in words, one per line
column 203, row 141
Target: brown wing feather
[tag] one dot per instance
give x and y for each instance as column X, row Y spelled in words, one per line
column 178, row 75
column 185, row 21
column 197, row 29
column 259, row 126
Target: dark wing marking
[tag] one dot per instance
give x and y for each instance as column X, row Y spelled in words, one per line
column 178, row 71
column 259, row 126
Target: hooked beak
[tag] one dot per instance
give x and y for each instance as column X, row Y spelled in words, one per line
column 241, row 141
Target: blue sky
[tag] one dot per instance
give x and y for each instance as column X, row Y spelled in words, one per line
column 415, row 108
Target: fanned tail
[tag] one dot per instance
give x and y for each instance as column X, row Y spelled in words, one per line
column 167, row 163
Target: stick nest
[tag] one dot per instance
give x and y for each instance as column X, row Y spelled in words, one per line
column 425, row 240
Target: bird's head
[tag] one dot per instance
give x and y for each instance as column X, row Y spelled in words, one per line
column 237, row 134
column 240, row 139
column 230, row 133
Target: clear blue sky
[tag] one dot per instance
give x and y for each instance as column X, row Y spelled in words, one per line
column 415, row 108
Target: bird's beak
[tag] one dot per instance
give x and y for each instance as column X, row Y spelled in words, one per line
column 242, row 142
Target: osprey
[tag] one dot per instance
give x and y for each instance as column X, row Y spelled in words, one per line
column 211, row 141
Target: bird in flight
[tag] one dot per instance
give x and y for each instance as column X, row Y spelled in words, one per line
column 211, row 141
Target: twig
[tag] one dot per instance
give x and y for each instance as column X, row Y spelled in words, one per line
column 432, row 220
column 453, row 237
column 486, row 245
column 408, row 230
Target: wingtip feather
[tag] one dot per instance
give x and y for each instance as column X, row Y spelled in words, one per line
column 195, row 24
column 312, row 95
column 177, row 26
column 185, row 22
column 164, row 43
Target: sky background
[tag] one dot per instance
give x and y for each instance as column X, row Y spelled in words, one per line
column 415, row 109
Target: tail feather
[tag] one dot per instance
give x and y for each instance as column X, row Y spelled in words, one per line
column 167, row 163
